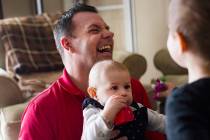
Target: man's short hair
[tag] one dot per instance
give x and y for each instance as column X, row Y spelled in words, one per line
column 64, row 25
column 191, row 18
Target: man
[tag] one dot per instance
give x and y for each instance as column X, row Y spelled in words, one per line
column 82, row 38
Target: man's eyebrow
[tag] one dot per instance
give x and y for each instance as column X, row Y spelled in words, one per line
column 98, row 26
column 94, row 25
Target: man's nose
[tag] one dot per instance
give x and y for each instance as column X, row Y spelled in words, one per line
column 108, row 34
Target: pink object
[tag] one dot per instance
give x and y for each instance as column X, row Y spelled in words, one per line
column 124, row 116
column 159, row 87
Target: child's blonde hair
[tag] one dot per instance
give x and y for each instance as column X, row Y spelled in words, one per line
column 101, row 68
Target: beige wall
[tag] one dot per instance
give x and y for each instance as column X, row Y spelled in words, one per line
column 52, row 6
column 67, row 4
column 151, row 31
column 12, row 8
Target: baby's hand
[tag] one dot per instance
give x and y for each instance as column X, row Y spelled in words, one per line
column 113, row 105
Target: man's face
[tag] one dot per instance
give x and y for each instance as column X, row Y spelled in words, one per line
column 92, row 39
column 114, row 82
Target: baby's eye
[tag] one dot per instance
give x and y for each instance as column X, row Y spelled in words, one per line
column 127, row 86
column 114, row 87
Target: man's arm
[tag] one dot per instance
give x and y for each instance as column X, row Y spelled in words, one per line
column 34, row 125
column 139, row 93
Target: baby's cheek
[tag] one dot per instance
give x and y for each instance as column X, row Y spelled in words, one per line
column 104, row 100
column 130, row 100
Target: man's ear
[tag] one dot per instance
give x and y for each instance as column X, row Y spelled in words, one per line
column 66, row 43
column 182, row 42
column 92, row 92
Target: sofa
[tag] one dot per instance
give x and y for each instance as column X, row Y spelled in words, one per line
column 29, row 63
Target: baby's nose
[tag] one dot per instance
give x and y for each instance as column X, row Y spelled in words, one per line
column 123, row 94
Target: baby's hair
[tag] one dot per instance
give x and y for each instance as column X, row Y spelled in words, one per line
column 191, row 18
column 101, row 67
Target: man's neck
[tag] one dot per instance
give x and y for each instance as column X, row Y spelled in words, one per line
column 79, row 78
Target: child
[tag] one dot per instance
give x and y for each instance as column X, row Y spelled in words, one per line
column 187, row 109
column 110, row 92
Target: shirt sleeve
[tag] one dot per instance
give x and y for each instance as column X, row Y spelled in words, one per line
column 156, row 121
column 34, row 125
column 140, row 96
column 94, row 127
column 185, row 119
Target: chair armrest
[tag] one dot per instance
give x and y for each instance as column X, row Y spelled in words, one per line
column 10, row 93
column 135, row 63
column 10, row 121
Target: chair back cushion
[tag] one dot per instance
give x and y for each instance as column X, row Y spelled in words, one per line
column 164, row 63
column 29, row 44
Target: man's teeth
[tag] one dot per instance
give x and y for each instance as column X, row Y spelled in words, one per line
column 105, row 48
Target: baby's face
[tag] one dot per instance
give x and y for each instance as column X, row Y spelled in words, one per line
column 114, row 83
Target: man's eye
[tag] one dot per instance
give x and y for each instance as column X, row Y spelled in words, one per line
column 114, row 87
column 94, row 30
column 127, row 86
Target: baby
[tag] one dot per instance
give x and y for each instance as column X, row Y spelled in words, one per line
column 111, row 105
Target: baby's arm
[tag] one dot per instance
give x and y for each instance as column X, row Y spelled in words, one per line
column 156, row 121
column 94, row 126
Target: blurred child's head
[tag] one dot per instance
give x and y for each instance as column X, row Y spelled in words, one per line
column 109, row 78
column 189, row 25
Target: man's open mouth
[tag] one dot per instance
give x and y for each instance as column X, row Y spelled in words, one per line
column 106, row 48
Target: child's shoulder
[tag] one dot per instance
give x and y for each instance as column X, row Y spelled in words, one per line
column 194, row 90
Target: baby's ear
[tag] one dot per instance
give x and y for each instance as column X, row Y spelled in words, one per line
column 92, row 92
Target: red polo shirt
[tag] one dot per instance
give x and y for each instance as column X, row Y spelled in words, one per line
column 56, row 113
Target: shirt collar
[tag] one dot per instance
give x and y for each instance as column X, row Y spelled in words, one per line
column 66, row 83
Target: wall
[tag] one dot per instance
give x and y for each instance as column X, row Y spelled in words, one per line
column 12, row 8
column 151, row 31
column 52, row 6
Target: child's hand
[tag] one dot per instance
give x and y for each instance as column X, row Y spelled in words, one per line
column 113, row 105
